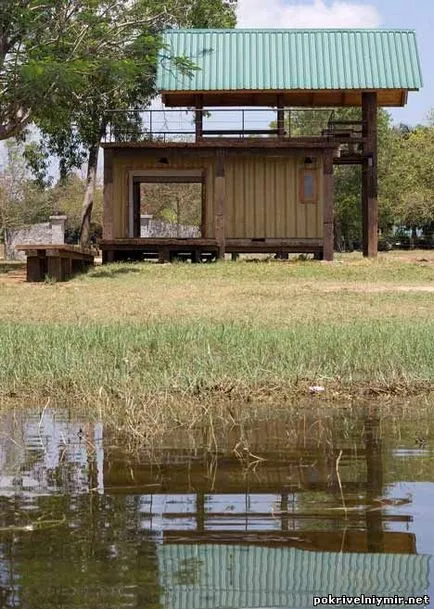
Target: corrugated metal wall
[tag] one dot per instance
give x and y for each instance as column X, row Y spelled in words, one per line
column 262, row 200
column 262, row 195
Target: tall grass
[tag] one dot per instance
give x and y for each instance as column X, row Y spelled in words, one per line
column 121, row 361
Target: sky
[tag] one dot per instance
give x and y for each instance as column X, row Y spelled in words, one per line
column 416, row 14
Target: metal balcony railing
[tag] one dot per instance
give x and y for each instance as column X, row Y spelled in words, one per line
column 184, row 125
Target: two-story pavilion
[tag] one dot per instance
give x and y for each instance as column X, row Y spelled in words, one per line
column 267, row 189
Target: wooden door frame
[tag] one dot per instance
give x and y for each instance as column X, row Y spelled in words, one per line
column 163, row 176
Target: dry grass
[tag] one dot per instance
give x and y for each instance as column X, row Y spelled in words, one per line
column 274, row 294
column 134, row 333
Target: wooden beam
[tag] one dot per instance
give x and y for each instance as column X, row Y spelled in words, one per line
column 219, row 190
column 280, row 115
column 136, row 209
column 199, row 117
column 328, row 212
column 369, row 175
column 108, row 195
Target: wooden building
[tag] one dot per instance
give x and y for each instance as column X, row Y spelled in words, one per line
column 265, row 189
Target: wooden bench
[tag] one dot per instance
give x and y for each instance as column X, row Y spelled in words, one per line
column 59, row 262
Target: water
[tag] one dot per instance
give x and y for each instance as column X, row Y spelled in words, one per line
column 283, row 511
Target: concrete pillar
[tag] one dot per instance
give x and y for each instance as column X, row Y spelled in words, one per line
column 144, row 225
column 58, row 229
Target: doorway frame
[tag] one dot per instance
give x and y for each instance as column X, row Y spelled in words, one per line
column 162, row 176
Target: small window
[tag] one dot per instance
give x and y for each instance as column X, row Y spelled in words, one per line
column 308, row 186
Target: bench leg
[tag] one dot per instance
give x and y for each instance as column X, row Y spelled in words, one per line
column 36, row 268
column 54, row 268
column 66, row 268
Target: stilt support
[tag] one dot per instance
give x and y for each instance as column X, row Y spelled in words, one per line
column 369, row 175
column 328, row 220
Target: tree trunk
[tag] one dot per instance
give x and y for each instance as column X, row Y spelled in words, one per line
column 86, row 212
column 413, row 237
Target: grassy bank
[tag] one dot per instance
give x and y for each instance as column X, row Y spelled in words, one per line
column 125, row 362
column 133, row 332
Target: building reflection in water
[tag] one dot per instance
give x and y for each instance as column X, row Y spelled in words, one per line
column 277, row 515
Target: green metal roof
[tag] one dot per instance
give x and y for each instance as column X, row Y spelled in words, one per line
column 230, row 60
column 234, row 577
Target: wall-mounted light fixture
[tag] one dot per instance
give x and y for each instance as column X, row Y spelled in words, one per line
column 371, row 159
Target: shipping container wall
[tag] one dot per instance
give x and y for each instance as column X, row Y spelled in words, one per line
column 125, row 162
column 263, row 199
column 263, row 195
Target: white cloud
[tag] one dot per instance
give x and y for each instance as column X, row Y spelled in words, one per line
column 318, row 14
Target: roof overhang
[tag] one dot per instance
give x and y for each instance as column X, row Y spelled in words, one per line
column 290, row 98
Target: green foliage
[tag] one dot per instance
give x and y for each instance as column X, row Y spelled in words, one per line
column 22, row 199
column 405, row 174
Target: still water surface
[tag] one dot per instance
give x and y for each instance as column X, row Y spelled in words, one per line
column 283, row 511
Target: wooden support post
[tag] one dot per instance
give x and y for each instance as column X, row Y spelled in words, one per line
column 219, row 190
column 328, row 212
column 280, row 116
column 164, row 255
column 199, row 117
column 68, row 267
column 369, row 175
column 54, row 267
column 36, row 266
column 136, row 209
column 196, row 255
column 108, row 195
column 108, row 256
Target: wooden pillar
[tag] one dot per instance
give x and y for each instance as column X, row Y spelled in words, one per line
column 136, row 209
column 328, row 212
column 36, row 265
column 54, row 266
column 280, row 116
column 107, row 231
column 374, row 481
column 219, row 194
column 198, row 119
column 369, row 175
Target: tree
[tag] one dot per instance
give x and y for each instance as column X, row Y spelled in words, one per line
column 40, row 56
column 119, row 67
column 22, row 200
column 410, row 181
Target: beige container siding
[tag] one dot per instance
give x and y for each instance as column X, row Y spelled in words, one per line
column 124, row 163
column 262, row 199
column 262, row 195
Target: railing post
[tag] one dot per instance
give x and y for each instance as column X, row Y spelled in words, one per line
column 199, row 117
column 150, row 125
column 280, row 116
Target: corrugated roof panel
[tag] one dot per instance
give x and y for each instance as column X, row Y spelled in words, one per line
column 230, row 576
column 230, row 60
